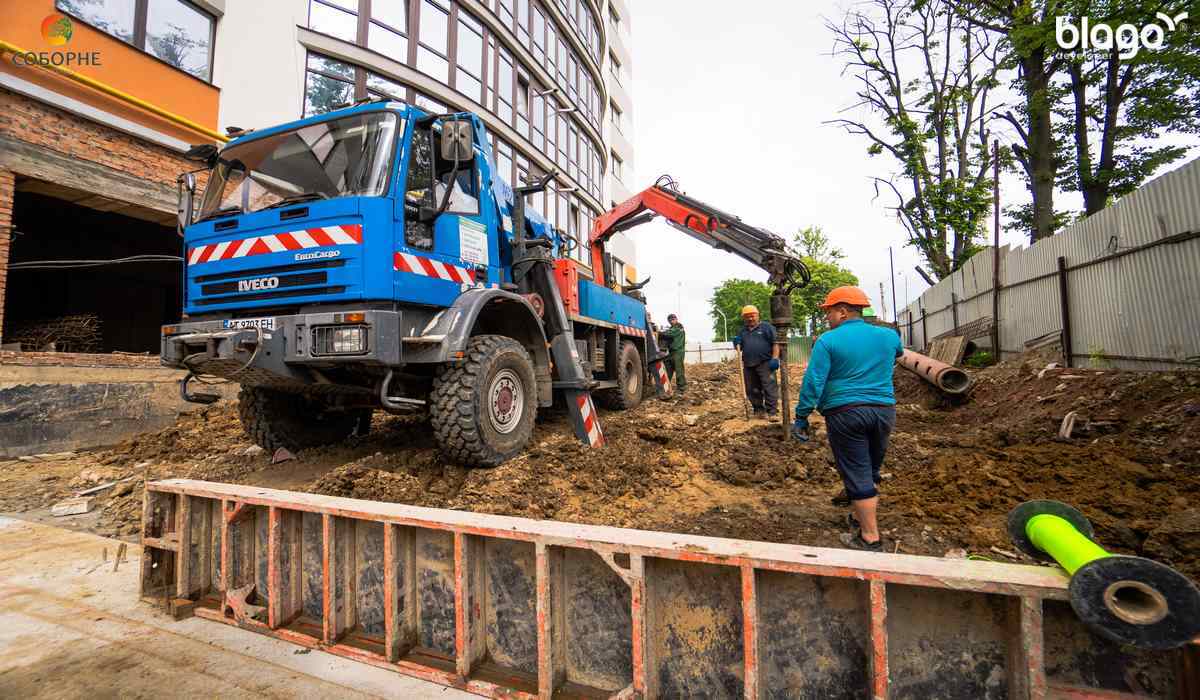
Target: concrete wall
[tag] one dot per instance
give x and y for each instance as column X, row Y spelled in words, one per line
column 48, row 404
column 257, row 39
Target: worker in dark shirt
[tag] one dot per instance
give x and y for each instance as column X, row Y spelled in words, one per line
column 760, row 359
column 677, row 349
column 849, row 380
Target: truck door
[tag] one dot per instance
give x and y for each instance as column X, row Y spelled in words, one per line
column 437, row 259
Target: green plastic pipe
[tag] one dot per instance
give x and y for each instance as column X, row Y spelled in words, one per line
column 1059, row 538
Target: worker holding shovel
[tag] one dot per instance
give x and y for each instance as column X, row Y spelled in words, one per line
column 849, row 380
column 760, row 359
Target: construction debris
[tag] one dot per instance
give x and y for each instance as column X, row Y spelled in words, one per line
column 73, row 506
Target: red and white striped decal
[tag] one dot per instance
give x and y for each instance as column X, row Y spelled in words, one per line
column 664, row 382
column 349, row 234
column 417, row 265
column 591, row 422
column 630, row 330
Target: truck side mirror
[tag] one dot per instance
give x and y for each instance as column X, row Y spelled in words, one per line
column 458, row 138
column 187, row 195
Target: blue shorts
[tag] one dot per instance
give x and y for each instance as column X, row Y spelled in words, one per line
column 859, row 436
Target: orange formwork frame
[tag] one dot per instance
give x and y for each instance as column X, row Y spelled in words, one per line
column 516, row 608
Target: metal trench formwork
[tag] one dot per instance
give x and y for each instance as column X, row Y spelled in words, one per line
column 517, row 608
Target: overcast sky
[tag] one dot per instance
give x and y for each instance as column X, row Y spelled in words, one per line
column 731, row 103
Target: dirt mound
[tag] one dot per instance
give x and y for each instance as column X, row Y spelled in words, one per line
column 697, row 464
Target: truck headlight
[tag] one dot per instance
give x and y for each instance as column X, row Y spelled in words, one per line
column 340, row 340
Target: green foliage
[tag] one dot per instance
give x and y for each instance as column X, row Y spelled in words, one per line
column 822, row 259
column 980, row 359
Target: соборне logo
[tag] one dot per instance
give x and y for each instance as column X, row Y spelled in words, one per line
column 57, row 30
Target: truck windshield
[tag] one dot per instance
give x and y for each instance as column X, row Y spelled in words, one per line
column 337, row 158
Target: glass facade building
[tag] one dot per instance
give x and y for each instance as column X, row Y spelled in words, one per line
column 535, row 69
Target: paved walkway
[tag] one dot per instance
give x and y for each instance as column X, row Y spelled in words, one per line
column 71, row 627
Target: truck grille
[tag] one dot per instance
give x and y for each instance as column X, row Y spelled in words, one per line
column 315, row 291
column 302, row 280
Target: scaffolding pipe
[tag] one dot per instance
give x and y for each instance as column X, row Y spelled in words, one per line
column 948, row 378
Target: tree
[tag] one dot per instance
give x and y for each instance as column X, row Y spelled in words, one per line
column 1027, row 30
column 822, row 260
column 730, row 297
column 175, row 47
column 1119, row 105
column 927, row 75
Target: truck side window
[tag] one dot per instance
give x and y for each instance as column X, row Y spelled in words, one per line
column 418, row 190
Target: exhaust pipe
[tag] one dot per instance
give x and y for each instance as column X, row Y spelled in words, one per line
column 948, row 378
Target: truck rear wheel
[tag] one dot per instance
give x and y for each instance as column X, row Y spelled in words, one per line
column 482, row 410
column 275, row 419
column 630, row 373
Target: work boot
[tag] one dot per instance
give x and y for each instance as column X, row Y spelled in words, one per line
column 855, row 541
column 842, row 500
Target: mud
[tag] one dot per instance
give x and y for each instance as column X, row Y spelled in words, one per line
column 697, row 465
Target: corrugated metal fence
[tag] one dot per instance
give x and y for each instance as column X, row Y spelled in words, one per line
column 1127, row 280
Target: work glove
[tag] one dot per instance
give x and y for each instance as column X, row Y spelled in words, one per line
column 773, row 364
column 737, row 341
column 800, row 429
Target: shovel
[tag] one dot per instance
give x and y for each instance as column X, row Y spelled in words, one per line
column 741, row 373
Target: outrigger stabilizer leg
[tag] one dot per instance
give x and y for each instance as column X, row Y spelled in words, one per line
column 1129, row 600
column 533, row 272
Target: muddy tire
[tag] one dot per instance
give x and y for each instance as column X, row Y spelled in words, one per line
column 275, row 419
column 630, row 380
column 482, row 410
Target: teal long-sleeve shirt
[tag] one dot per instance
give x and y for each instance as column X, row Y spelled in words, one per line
column 851, row 364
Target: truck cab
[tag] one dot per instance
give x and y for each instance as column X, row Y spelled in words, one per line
column 362, row 260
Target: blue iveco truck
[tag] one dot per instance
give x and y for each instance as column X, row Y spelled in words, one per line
column 368, row 259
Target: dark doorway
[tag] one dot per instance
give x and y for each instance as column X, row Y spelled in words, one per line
column 130, row 300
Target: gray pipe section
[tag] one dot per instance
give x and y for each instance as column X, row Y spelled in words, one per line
column 948, row 378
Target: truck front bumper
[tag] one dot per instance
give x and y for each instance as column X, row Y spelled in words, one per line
column 280, row 351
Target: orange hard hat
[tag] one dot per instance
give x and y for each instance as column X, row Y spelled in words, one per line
column 749, row 309
column 846, row 295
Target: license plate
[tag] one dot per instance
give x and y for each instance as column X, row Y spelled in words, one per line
column 266, row 324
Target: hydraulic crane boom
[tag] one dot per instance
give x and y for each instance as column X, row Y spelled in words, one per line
column 704, row 223
column 721, row 230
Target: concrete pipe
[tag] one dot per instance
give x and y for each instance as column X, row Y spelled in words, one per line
column 948, row 378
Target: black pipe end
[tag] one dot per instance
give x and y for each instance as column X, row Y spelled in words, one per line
column 1136, row 601
column 1018, row 517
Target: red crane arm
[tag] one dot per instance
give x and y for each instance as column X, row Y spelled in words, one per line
column 703, row 222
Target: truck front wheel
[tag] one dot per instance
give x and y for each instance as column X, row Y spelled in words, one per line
column 482, row 409
column 275, row 419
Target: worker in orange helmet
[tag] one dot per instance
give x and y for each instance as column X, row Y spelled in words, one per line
column 849, row 380
column 760, row 360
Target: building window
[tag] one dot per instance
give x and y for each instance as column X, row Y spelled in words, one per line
column 523, row 105
column 614, row 19
column 617, row 167
column 329, row 84
column 387, row 32
column 469, row 78
column 614, row 67
column 616, row 116
column 174, row 31
column 433, row 45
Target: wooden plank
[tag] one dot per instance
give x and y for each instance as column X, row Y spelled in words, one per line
column 275, row 602
column 183, row 562
column 643, row 679
column 879, row 641
column 39, row 162
column 750, row 633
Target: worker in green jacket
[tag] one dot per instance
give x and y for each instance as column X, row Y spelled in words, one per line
column 678, row 345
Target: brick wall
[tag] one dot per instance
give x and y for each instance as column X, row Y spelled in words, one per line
column 7, row 183
column 41, row 124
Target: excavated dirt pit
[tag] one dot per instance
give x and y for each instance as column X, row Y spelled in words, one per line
column 697, row 465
